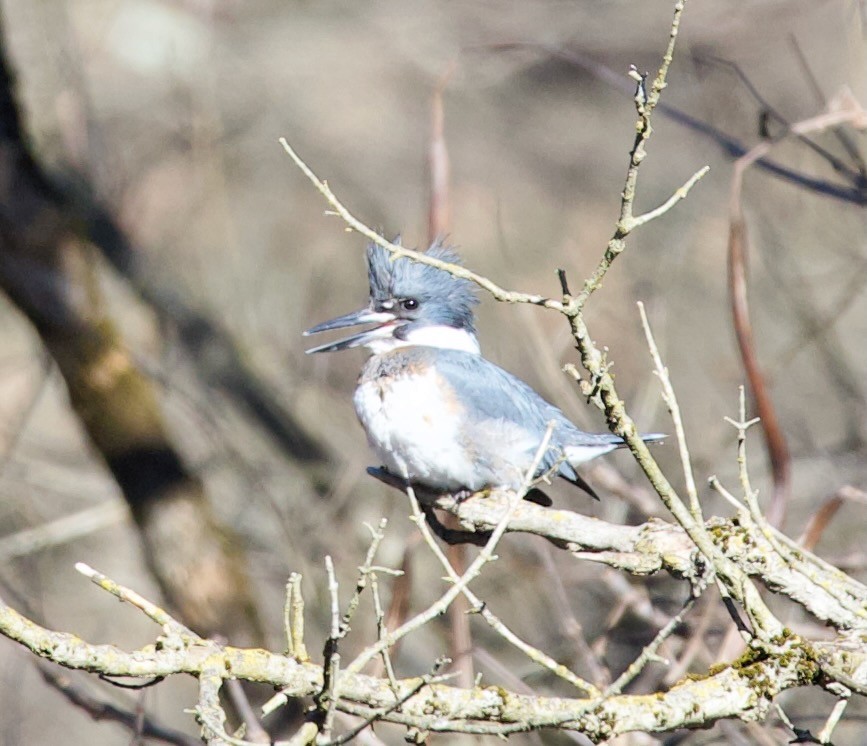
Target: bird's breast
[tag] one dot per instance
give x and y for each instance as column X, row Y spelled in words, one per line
column 414, row 423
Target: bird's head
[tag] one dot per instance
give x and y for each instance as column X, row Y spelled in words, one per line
column 410, row 304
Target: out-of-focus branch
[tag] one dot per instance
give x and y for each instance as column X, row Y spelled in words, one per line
column 854, row 173
column 50, row 272
column 439, row 225
column 439, row 207
column 818, row 328
column 845, row 110
column 62, row 530
column 650, row 650
column 775, row 438
column 853, row 192
column 827, row 510
column 100, row 709
column 217, row 359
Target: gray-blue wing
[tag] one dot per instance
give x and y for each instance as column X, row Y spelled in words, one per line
column 489, row 393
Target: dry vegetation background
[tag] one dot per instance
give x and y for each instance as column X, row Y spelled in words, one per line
column 172, row 110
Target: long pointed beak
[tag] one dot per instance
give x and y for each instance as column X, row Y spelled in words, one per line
column 383, row 320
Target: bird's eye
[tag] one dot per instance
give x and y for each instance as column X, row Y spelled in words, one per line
column 409, row 304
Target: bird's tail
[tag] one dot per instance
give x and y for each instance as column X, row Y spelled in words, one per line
column 589, row 447
column 653, row 437
column 579, row 453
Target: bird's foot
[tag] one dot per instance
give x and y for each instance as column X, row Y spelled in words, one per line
column 464, row 495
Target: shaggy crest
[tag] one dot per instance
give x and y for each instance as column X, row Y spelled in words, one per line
column 404, row 278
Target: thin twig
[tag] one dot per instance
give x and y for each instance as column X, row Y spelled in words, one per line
column 742, row 425
column 670, row 399
column 327, row 697
column 479, row 606
column 293, row 619
column 430, row 678
column 827, row 731
column 170, row 625
column 678, row 195
column 716, row 486
column 650, row 650
column 381, row 631
column 508, row 296
column 293, row 626
column 696, row 645
column 750, row 495
column 377, row 535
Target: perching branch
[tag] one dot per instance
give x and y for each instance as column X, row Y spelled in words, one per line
column 659, row 546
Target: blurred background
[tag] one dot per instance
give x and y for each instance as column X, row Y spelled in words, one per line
column 186, row 247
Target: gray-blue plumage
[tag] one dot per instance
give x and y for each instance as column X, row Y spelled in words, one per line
column 491, row 394
column 443, row 298
column 434, row 410
column 450, row 419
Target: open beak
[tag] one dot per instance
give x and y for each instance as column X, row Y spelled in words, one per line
column 385, row 323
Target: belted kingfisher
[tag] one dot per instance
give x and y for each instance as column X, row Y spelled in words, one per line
column 435, row 411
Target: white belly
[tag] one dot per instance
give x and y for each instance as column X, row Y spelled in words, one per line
column 414, row 429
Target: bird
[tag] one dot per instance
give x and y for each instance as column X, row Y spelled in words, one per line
column 436, row 412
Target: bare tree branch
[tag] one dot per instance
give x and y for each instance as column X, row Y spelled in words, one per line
column 744, row 689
